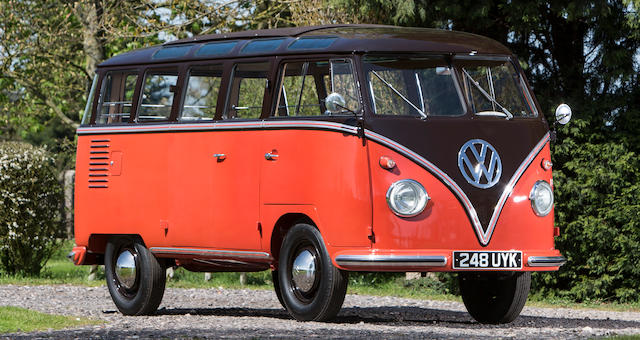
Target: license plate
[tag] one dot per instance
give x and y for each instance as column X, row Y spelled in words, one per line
column 487, row 260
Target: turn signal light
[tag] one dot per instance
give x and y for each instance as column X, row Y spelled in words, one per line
column 546, row 164
column 387, row 163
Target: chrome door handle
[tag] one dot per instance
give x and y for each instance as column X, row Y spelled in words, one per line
column 220, row 156
column 270, row 156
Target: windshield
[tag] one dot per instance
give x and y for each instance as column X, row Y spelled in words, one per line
column 413, row 86
column 424, row 86
column 494, row 87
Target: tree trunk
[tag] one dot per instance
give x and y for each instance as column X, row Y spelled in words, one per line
column 89, row 12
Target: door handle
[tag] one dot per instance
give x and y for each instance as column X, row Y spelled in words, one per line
column 270, row 156
column 220, row 156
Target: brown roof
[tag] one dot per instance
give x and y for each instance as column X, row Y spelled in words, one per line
column 348, row 39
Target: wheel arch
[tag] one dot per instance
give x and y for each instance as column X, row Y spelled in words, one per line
column 98, row 242
column 282, row 225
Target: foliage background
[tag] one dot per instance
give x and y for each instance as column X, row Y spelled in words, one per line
column 582, row 52
column 31, row 197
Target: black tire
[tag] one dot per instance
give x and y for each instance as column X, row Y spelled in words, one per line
column 323, row 300
column 276, row 286
column 494, row 298
column 144, row 295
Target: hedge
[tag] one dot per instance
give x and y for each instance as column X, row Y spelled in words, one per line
column 31, row 198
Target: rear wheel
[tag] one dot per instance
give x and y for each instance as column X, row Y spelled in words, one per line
column 311, row 287
column 135, row 278
column 494, row 298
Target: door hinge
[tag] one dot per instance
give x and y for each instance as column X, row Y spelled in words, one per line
column 372, row 236
column 164, row 225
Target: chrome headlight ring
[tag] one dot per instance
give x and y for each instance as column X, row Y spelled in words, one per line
column 407, row 198
column 541, row 197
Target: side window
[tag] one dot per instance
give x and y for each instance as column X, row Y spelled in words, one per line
column 246, row 91
column 305, row 85
column 302, row 89
column 157, row 95
column 342, row 81
column 116, row 94
column 201, row 95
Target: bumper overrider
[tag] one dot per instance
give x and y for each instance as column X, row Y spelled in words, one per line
column 80, row 256
column 376, row 261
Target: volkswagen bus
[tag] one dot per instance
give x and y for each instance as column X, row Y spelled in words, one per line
column 313, row 152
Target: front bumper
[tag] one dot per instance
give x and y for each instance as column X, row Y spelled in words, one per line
column 400, row 261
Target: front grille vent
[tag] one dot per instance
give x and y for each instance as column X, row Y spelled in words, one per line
column 99, row 160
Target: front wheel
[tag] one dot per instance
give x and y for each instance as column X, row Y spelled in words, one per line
column 135, row 278
column 494, row 298
column 312, row 288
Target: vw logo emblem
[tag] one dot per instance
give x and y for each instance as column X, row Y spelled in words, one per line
column 479, row 163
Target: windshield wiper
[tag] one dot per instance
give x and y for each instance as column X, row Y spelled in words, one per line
column 486, row 95
column 424, row 115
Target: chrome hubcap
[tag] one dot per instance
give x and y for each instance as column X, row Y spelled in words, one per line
column 126, row 269
column 303, row 271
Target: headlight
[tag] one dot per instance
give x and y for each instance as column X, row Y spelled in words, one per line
column 541, row 197
column 407, row 198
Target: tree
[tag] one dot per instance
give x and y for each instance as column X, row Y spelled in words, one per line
column 50, row 49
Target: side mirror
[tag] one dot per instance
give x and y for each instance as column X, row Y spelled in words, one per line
column 334, row 102
column 563, row 114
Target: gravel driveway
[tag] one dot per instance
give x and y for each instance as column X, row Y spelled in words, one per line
column 255, row 314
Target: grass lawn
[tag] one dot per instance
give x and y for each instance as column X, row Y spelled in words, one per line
column 59, row 270
column 15, row 319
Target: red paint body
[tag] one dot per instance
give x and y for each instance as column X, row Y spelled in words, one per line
column 169, row 189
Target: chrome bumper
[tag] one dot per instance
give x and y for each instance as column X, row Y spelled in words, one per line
column 546, row 261
column 378, row 261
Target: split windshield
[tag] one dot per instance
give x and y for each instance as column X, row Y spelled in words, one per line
column 494, row 88
column 427, row 86
column 412, row 86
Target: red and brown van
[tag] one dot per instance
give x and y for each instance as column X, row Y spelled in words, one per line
column 313, row 152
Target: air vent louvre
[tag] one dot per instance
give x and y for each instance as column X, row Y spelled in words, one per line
column 99, row 164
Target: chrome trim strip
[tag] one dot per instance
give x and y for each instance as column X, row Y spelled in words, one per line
column 217, row 126
column 314, row 124
column 546, row 261
column 391, row 260
column 211, row 252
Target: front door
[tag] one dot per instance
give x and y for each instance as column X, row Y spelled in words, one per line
column 313, row 162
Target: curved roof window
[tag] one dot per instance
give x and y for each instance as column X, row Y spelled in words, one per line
column 314, row 43
column 172, row 52
column 216, row 48
column 263, row 45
